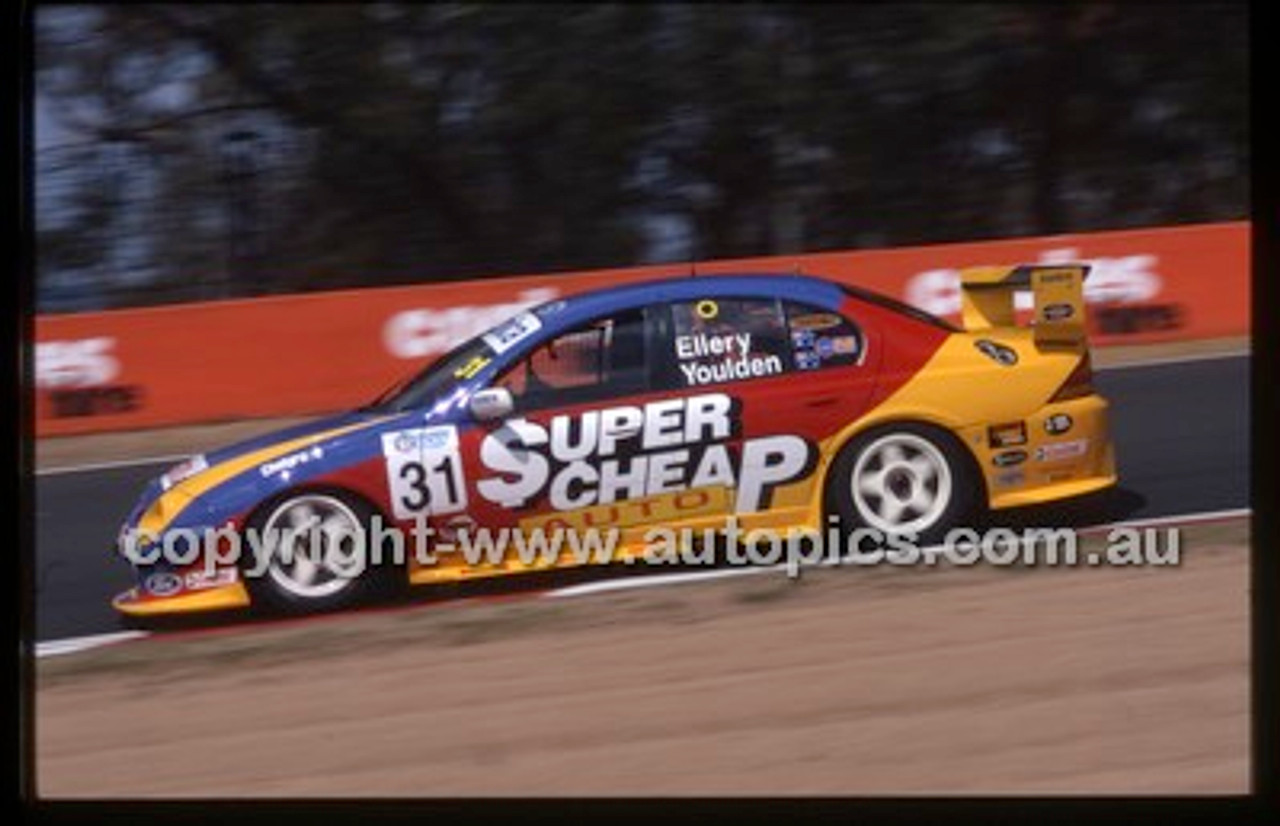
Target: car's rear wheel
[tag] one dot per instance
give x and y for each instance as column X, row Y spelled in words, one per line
column 903, row 479
column 316, row 548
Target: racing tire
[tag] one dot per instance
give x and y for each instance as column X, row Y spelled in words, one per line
column 317, row 561
column 903, row 479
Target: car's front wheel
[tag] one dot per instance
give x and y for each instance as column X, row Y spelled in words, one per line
column 315, row 546
column 903, row 479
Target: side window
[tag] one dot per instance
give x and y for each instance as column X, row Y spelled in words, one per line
column 605, row 357
column 822, row 338
column 728, row 339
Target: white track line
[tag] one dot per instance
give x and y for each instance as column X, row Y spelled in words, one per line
column 1183, row 519
column 73, row 645
column 148, row 460
column 653, row 581
column 682, row 578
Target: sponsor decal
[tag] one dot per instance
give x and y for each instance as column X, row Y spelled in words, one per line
column 663, row 508
column 183, row 470
column 289, row 462
column 1144, row 318
column 997, row 352
column 802, row 339
column 95, row 401
column 200, row 580
column 733, row 350
column 599, row 457
column 1057, row 451
column 816, row 321
column 424, row 471
column 413, row 334
column 513, row 332
column 85, row 362
column 1057, row 424
column 824, row 348
column 448, row 531
column 1011, row 478
column 162, row 584
column 808, row 360
column 473, row 366
column 551, row 307
column 844, row 345
column 1057, row 312
column 78, row 377
column 1009, row 458
column 436, row 438
column 1007, row 435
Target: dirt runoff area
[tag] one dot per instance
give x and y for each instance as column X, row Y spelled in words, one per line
column 844, row 682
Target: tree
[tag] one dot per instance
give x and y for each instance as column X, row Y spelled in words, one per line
column 387, row 144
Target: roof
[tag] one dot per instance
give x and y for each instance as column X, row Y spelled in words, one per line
column 804, row 288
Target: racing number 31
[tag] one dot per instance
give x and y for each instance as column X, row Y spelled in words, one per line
column 415, row 473
column 424, row 472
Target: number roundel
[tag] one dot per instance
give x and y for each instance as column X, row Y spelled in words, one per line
column 424, row 471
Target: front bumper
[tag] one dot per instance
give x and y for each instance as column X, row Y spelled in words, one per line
column 162, row 588
column 136, row 602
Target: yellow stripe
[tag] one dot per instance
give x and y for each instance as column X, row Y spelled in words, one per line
column 175, row 500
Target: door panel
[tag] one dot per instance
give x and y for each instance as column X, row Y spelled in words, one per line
column 711, row 408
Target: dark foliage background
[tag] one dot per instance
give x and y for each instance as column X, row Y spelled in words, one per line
column 187, row 152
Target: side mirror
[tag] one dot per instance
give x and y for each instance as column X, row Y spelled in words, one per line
column 491, row 403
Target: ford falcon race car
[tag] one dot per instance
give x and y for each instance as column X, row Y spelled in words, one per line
column 780, row 401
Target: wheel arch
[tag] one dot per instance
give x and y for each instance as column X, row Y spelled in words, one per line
column 344, row 492
column 318, row 488
column 942, row 425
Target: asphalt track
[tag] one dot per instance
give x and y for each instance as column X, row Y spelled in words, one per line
column 1181, row 433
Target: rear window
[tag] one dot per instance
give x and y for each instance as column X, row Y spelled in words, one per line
column 899, row 307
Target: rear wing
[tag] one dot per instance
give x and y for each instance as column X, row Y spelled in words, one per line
column 1058, row 318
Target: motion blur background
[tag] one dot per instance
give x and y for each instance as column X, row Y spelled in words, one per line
column 187, row 153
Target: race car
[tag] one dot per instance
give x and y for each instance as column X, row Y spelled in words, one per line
column 781, row 402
